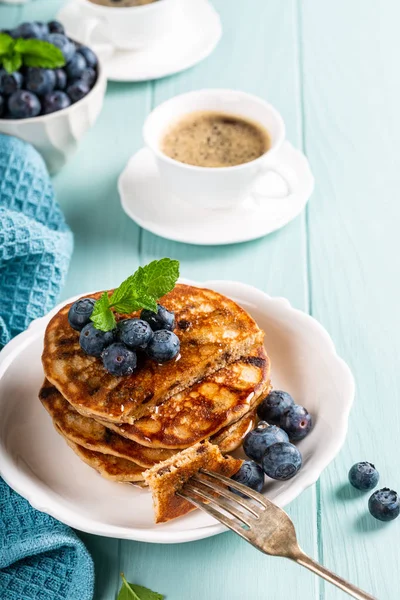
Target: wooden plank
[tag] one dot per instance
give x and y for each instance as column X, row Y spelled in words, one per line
column 352, row 127
column 261, row 58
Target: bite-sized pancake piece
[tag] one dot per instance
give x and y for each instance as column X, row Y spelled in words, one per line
column 90, row 434
column 110, row 467
column 213, row 331
column 169, row 477
column 203, row 409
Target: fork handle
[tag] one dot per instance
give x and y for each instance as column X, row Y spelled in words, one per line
column 305, row 561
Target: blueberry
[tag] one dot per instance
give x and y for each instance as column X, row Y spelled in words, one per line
column 61, row 79
column 40, row 81
column 89, row 56
column 384, row 505
column 61, row 41
column 251, row 475
column 76, row 66
column 78, row 90
column 10, row 82
column 93, row 341
column 363, row 476
column 297, row 422
column 134, row 333
column 55, row 101
column 89, row 76
column 80, row 312
column 119, row 360
column 56, row 27
column 29, row 30
column 281, row 461
column 162, row 319
column 257, row 441
column 163, row 346
column 23, row 104
column 274, row 405
column 2, row 105
column 43, row 28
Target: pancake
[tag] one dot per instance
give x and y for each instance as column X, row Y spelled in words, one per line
column 200, row 411
column 90, row 434
column 169, row 477
column 110, row 467
column 213, row 330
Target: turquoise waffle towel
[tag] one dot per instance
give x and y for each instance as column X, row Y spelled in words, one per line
column 35, row 242
column 40, row 558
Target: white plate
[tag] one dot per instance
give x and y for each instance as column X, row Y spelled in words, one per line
column 38, row 464
column 194, row 38
column 145, row 200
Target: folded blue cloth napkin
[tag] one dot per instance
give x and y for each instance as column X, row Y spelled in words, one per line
column 40, row 558
column 35, row 242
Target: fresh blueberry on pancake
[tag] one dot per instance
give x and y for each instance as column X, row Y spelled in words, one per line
column 93, row 341
column 80, row 312
column 163, row 346
column 162, row 319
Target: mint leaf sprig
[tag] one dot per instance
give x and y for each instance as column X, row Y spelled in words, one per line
column 32, row 53
column 140, row 290
column 131, row 591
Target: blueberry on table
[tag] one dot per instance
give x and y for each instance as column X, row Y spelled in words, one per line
column 163, row 346
column 89, row 56
column 134, row 333
column 93, row 341
column 297, row 422
column 23, row 105
column 76, row 66
column 55, row 101
column 274, row 405
column 251, row 475
column 162, row 319
column 89, row 76
column 10, row 82
column 56, row 27
column 363, row 476
column 257, row 441
column 119, row 360
column 80, row 312
column 281, row 461
column 61, row 79
column 78, row 90
column 40, row 81
column 63, row 43
column 384, row 505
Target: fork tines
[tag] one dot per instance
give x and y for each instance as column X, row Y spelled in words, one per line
column 209, row 491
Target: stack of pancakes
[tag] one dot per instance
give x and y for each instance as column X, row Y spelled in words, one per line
column 122, row 426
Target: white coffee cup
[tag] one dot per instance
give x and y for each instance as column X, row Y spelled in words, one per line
column 127, row 28
column 220, row 187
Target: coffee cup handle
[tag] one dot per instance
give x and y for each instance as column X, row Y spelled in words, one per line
column 285, row 173
column 85, row 35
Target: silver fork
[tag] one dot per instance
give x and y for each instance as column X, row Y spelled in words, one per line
column 258, row 520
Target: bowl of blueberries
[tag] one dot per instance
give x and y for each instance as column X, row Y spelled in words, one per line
column 51, row 89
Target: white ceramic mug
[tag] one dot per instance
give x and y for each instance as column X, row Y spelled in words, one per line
column 127, row 28
column 220, row 187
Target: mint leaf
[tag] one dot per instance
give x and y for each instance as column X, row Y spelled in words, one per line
column 12, row 62
column 140, row 290
column 160, row 277
column 130, row 591
column 6, row 43
column 102, row 316
column 38, row 53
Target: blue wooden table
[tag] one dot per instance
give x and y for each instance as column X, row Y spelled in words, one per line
column 331, row 68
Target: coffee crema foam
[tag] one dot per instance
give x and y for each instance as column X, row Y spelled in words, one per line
column 215, row 139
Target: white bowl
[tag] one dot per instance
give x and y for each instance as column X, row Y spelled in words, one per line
column 39, row 465
column 56, row 136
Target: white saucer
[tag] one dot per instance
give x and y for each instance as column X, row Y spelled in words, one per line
column 38, row 464
column 194, row 38
column 145, row 200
